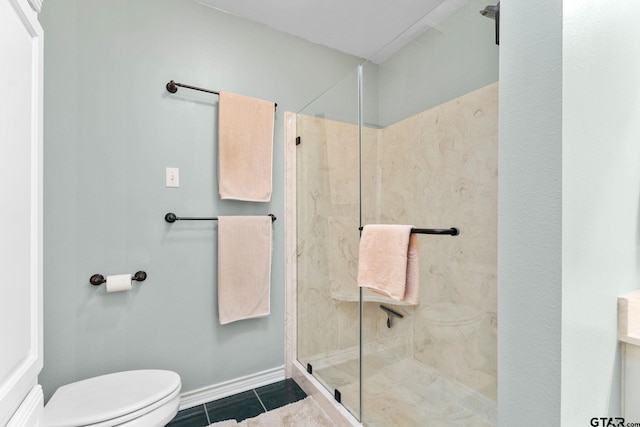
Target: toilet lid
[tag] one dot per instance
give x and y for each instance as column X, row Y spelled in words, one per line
column 109, row 396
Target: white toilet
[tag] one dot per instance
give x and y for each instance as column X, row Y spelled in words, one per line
column 144, row 398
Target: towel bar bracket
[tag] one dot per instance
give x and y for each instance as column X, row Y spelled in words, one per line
column 171, row 87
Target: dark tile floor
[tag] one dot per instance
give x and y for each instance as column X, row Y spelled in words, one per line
column 244, row 405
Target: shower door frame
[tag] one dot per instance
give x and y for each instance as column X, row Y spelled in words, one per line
column 293, row 368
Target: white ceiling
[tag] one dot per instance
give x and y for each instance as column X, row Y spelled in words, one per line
column 370, row 29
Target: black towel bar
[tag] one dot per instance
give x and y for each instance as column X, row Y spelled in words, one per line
column 453, row 231
column 171, row 217
column 173, row 88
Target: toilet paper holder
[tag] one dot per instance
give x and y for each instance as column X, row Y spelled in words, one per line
column 98, row 279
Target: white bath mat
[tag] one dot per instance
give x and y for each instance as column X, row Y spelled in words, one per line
column 303, row 413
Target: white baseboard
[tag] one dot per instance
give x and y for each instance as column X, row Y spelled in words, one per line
column 213, row 392
column 30, row 412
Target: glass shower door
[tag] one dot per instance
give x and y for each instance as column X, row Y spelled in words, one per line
column 328, row 200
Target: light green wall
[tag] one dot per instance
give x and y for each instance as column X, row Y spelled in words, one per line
column 111, row 128
column 601, row 185
column 569, row 180
column 530, row 215
column 456, row 57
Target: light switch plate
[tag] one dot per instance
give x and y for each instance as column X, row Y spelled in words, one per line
column 173, row 177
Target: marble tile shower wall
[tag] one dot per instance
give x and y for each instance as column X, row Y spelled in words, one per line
column 439, row 169
column 435, row 169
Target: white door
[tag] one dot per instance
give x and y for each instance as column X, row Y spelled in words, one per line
column 21, row 59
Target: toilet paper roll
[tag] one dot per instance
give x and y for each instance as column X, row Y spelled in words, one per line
column 119, row 282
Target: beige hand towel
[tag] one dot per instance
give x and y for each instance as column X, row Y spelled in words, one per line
column 388, row 261
column 244, row 267
column 342, row 260
column 245, row 147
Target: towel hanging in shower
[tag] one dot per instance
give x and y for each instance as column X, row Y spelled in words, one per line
column 388, row 261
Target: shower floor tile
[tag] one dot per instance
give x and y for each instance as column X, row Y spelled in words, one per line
column 404, row 392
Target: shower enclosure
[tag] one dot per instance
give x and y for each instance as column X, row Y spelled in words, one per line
column 408, row 138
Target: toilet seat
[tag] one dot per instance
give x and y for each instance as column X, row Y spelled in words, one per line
column 112, row 399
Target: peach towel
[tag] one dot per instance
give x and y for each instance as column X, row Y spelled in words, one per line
column 245, row 147
column 388, row 262
column 244, row 267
